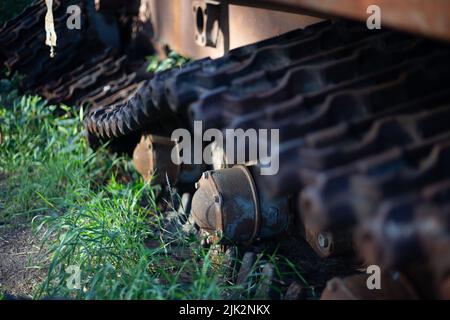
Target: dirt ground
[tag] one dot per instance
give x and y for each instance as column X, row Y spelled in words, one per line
column 20, row 255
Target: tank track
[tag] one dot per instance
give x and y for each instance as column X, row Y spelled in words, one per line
column 363, row 120
column 364, row 137
column 85, row 72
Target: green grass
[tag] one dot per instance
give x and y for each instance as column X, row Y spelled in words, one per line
column 96, row 213
column 95, row 223
column 173, row 60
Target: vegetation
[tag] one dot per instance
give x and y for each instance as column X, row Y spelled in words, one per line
column 93, row 210
column 96, row 213
column 52, row 176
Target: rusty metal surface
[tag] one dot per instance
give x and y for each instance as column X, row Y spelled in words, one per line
column 428, row 17
column 324, row 197
column 248, row 21
column 175, row 24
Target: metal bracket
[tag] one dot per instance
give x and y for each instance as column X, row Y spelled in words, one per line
column 206, row 17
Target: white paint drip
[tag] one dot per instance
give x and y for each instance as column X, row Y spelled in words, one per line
column 51, row 37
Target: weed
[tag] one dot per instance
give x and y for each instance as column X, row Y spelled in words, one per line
column 114, row 232
column 52, row 175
